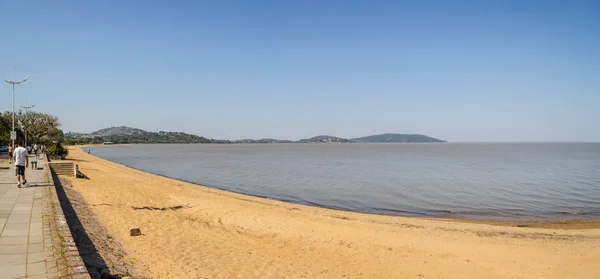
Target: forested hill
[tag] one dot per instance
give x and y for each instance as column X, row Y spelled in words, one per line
column 324, row 139
column 122, row 130
column 396, row 138
column 124, row 135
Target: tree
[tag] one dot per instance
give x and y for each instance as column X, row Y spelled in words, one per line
column 56, row 149
column 6, row 128
column 41, row 128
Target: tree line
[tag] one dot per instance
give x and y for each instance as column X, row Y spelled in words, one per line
column 148, row 137
column 32, row 127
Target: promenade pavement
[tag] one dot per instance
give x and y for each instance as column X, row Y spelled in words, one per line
column 22, row 250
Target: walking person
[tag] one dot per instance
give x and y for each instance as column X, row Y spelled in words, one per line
column 10, row 153
column 21, row 162
column 35, row 150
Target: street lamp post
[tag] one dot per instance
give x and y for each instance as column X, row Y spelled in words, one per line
column 13, row 82
column 26, row 110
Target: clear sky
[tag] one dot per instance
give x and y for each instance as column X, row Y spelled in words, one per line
column 455, row 70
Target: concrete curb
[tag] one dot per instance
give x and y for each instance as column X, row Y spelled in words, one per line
column 62, row 256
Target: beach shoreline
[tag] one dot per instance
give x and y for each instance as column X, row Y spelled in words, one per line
column 213, row 233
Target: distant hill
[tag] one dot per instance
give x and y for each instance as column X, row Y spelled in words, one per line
column 324, row 139
column 396, row 138
column 75, row 135
column 122, row 130
column 124, row 135
column 267, row 140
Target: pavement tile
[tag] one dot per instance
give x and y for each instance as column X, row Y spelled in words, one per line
column 35, row 227
column 35, row 232
column 12, row 260
column 19, row 215
column 17, row 226
column 26, row 204
column 13, row 240
column 13, row 249
column 36, row 268
column 23, row 206
column 8, row 232
column 36, row 257
column 35, row 248
column 18, row 219
column 33, row 239
column 13, row 271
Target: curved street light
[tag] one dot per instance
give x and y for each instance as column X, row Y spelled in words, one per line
column 27, row 108
column 13, row 82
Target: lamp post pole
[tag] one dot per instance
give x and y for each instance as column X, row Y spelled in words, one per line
column 26, row 110
column 13, row 82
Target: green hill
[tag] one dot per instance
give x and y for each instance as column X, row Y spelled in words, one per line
column 324, row 139
column 397, row 138
column 124, row 135
column 117, row 131
column 265, row 140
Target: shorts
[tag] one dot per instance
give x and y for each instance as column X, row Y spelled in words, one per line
column 20, row 170
column 9, row 154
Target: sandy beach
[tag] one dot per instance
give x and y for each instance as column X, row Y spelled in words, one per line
column 191, row 231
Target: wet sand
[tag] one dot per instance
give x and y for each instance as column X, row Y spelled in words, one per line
column 191, row 231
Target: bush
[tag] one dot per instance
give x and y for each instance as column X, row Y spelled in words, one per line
column 57, row 149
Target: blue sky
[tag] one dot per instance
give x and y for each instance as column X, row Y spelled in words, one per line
column 455, row 70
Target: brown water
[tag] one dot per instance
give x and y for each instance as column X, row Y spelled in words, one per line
column 514, row 181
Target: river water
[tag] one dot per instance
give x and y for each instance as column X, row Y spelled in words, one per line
column 509, row 181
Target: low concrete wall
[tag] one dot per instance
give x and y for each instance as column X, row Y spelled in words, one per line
column 62, row 256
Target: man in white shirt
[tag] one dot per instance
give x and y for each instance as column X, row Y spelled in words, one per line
column 21, row 163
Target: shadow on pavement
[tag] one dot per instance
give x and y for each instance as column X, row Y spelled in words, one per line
column 94, row 263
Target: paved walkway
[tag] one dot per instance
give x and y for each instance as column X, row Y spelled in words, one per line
column 22, row 249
